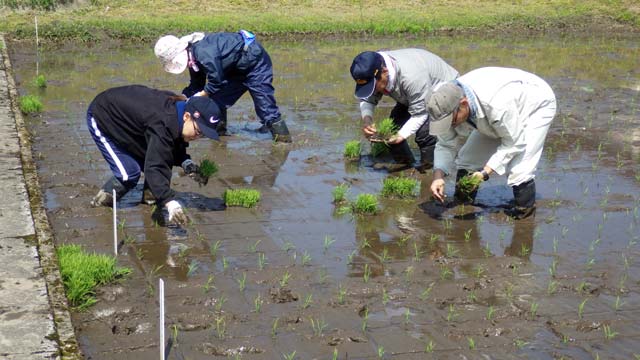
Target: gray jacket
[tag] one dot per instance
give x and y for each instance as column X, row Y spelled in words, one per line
column 413, row 74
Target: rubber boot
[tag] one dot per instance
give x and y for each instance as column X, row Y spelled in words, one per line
column 104, row 197
column 524, row 196
column 147, row 195
column 426, row 158
column 221, row 128
column 280, row 132
column 459, row 195
column 402, row 154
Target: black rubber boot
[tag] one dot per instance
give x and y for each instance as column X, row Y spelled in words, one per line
column 280, row 132
column 524, row 196
column 104, row 197
column 426, row 158
column 402, row 154
column 459, row 195
column 221, row 128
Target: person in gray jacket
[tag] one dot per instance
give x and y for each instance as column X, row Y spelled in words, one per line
column 407, row 76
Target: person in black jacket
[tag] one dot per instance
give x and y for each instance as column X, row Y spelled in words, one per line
column 140, row 129
column 224, row 66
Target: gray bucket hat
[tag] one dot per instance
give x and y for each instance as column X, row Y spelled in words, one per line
column 441, row 106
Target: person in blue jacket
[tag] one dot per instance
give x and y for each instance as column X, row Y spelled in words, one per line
column 224, row 66
column 143, row 130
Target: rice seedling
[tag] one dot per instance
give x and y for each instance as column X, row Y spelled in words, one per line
column 424, row 295
column 365, row 204
column 214, row 247
column 399, row 187
column 366, row 274
column 262, row 261
column 385, row 296
column 242, row 282
column 407, row 316
column 335, row 354
column 533, row 309
column 306, row 258
column 290, row 356
column 221, row 327
column 581, row 307
column 207, row 168
column 208, row 285
column 608, row 333
column 524, row 250
column 451, row 251
column 257, row 303
column 417, row 253
column 451, row 313
column 479, row 271
column 380, row 351
column 472, row 343
column 472, row 297
column 402, row 241
column 225, row 263
column 467, row 185
column 365, row 319
column 365, row 243
column 308, row 300
column 384, row 129
column 322, row 276
column 433, row 238
column 408, row 272
column 618, row 304
column 429, row 347
column 342, row 293
column 350, row 257
column 174, row 333
column 490, row 312
column 287, row 246
column 40, row 81
column 274, row 327
column 486, row 250
column 445, row 273
column 284, row 280
column 385, row 257
column 254, row 247
column 340, row 193
column 552, row 287
column 467, row 235
column 318, row 326
column 82, row 272
column 193, row 267
column 447, row 224
column 553, row 267
column 247, row 198
column 30, row 104
column 352, row 150
column 508, row 291
column 220, row 301
column 328, row 240
column 519, row 343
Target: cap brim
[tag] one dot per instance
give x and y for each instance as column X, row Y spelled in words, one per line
column 441, row 126
column 178, row 64
column 365, row 90
column 207, row 131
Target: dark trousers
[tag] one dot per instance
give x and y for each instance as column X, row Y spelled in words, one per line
column 400, row 115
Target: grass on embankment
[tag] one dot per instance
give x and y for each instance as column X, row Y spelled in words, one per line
column 82, row 272
column 137, row 20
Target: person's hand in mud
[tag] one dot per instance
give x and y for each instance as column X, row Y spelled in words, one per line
column 193, row 171
column 176, row 213
column 437, row 185
column 395, row 139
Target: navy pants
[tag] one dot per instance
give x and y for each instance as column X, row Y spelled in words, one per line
column 258, row 81
column 123, row 166
column 400, row 115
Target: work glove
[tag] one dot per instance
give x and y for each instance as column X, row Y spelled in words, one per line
column 193, row 171
column 176, row 214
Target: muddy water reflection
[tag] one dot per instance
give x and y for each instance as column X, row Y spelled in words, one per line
column 445, row 267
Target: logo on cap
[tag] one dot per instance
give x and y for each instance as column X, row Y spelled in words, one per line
column 213, row 120
column 196, row 114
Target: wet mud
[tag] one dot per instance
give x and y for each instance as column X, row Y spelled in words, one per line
column 419, row 280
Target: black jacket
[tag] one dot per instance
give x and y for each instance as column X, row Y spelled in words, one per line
column 221, row 56
column 144, row 123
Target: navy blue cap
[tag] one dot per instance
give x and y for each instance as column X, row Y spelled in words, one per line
column 365, row 69
column 206, row 113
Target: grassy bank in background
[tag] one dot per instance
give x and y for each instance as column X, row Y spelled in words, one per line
column 146, row 20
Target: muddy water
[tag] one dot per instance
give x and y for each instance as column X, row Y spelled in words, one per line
column 460, row 282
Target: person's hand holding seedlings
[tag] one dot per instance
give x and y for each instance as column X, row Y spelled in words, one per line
column 395, row 139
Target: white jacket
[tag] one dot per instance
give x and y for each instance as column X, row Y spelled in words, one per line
column 505, row 99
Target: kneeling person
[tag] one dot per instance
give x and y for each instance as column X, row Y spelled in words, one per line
column 139, row 129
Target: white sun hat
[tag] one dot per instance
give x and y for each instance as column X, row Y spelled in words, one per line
column 172, row 53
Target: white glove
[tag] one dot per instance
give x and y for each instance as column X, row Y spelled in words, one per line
column 176, row 214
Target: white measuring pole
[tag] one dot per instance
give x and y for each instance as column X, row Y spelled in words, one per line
column 115, row 225
column 161, row 295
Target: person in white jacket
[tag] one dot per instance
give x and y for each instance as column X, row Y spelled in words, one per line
column 506, row 114
column 407, row 76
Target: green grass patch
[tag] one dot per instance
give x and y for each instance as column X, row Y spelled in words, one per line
column 207, row 168
column 82, row 272
column 340, row 193
column 40, row 81
column 352, row 149
column 468, row 184
column 241, row 197
column 365, row 204
column 385, row 128
column 401, row 187
column 30, row 104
